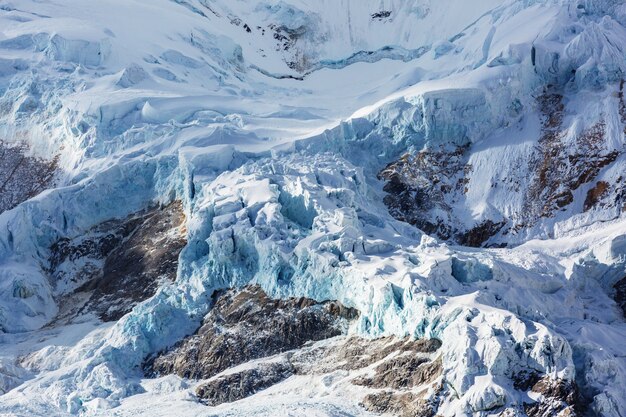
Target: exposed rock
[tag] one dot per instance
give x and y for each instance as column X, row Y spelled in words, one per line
column 118, row 263
column 425, row 189
column 620, row 294
column 561, row 168
column 22, row 176
column 286, row 39
column 558, row 398
column 247, row 324
column 235, row 386
column 421, row 187
column 403, row 371
column 401, row 405
column 357, row 353
column 524, row 380
column 595, row 194
column 360, row 353
column 406, row 371
column 481, row 233
column 383, row 14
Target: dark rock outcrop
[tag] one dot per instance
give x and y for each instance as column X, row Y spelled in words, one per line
column 596, row 194
column 400, row 405
column 401, row 375
column 558, row 398
column 620, row 294
column 560, row 168
column 479, row 234
column 118, row 263
column 235, row 386
column 22, row 176
column 383, row 14
column 427, row 188
column 360, row 353
column 406, row 371
column 246, row 325
column 427, row 182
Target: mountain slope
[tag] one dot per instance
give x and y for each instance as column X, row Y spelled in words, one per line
column 164, row 160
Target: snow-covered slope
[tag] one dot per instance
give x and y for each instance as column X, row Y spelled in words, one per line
column 333, row 150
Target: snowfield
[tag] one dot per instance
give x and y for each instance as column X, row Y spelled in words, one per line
column 271, row 122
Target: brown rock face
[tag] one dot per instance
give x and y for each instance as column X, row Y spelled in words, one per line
column 233, row 387
column 403, row 370
column 594, row 195
column 560, row 167
column 406, row 371
column 359, row 353
column 559, row 398
column 419, row 184
column 401, row 405
column 425, row 188
column 22, row 176
column 119, row 263
column 248, row 325
column 274, row 339
column 479, row 234
column 430, row 182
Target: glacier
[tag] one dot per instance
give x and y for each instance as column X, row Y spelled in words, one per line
column 270, row 122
